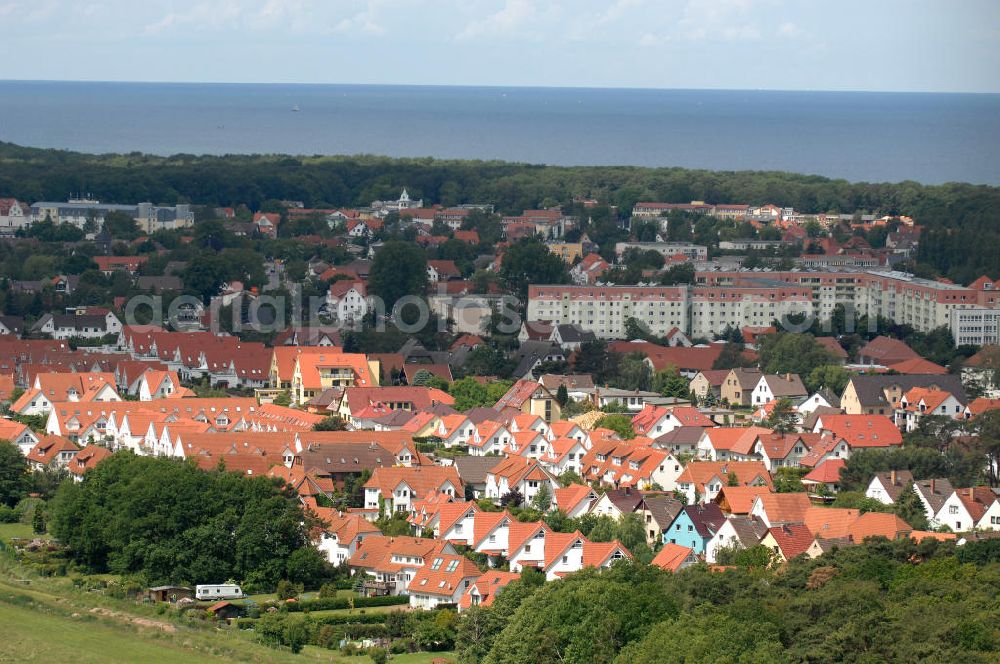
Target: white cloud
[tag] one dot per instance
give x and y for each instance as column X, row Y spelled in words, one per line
column 789, row 29
column 204, row 15
column 511, row 16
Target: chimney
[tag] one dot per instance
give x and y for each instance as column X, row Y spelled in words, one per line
column 892, row 477
column 971, row 491
column 932, row 485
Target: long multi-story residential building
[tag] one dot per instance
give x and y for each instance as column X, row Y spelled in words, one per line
column 978, row 326
column 80, row 211
column 747, row 298
column 697, row 252
column 723, row 210
column 701, row 311
column 922, row 303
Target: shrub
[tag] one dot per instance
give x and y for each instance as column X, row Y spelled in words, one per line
column 288, row 590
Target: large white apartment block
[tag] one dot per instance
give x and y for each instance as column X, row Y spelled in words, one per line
column 898, row 296
column 603, row 310
column 700, row 311
column 79, row 212
column 696, row 252
column 744, row 298
column 978, row 326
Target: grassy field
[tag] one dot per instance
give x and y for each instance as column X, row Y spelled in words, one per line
column 48, row 620
column 9, row 531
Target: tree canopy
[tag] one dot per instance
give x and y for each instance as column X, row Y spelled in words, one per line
column 173, row 523
column 399, row 269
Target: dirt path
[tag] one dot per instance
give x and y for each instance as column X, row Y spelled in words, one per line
column 134, row 620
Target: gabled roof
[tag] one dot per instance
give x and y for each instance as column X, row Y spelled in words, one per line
column 930, row 399
column 788, row 385
column 699, row 473
column 707, row 518
column 793, row 539
column 831, row 345
column 918, row 365
column 49, row 447
column 749, row 529
column 976, row 500
column 714, row 377
column 886, row 350
column 827, row 472
column 739, row 499
column 451, row 513
column 662, row 507
column 981, row 405
column 518, row 394
column 871, row 388
column 690, row 416
column 626, row 500
column 473, row 469
column 87, row 458
column 784, row 507
column 738, row 440
column 935, row 491
column 488, row 586
column 863, row 430
column 567, row 498
column 375, row 552
column 830, row 522
column 672, row 556
column 878, row 524
column 485, row 523
column 422, row 480
column 681, row 436
column 894, row 482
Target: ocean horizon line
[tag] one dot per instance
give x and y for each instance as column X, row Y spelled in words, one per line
column 498, row 86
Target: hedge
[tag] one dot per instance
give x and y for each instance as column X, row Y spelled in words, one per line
column 360, row 618
column 333, row 603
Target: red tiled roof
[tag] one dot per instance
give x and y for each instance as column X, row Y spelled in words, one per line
column 793, row 540
column 863, row 430
column 672, row 556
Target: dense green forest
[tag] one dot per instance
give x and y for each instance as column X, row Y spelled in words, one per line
column 962, row 237
column 166, row 521
column 881, row 602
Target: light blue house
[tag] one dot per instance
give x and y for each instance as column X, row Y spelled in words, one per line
column 695, row 526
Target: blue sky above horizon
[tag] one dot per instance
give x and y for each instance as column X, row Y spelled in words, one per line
column 886, row 45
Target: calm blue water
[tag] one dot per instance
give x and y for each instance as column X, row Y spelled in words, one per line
column 930, row 138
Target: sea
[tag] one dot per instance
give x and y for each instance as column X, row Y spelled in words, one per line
column 858, row 136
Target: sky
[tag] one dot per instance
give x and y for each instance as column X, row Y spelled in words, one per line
column 887, row 45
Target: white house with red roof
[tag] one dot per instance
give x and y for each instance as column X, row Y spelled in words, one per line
column 525, row 475
column 860, row 431
column 920, row 402
column 564, row 454
column 575, row 500
column 527, row 544
column 566, row 553
column 486, row 588
column 492, row 532
column 528, row 443
column 455, row 430
column 267, row 223
column 341, row 533
column 443, row 581
column 589, row 269
column 398, row 488
column 348, row 300
column 160, row 385
column 490, row 438
column 969, row 508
